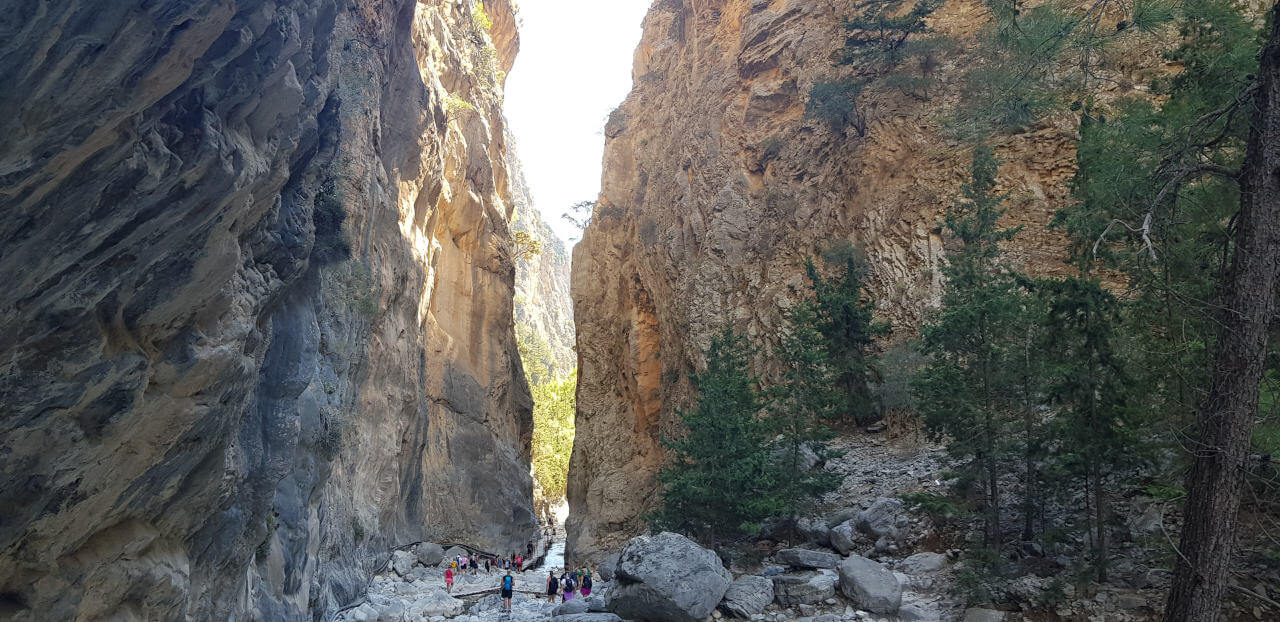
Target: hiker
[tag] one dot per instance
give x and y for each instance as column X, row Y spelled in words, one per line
column 566, row 586
column 553, row 586
column 508, row 586
column 486, row 566
column 448, row 579
column 586, row 583
column 519, row 563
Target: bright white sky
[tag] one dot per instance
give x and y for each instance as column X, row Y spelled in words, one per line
column 573, row 68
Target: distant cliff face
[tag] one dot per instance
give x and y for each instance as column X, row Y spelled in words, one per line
column 542, row 301
column 257, row 325
column 716, row 188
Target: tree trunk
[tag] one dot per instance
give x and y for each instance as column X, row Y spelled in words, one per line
column 1226, row 417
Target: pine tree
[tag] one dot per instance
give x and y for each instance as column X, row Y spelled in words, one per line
column 804, row 400
column 969, row 390
column 1089, row 389
column 843, row 320
column 719, row 478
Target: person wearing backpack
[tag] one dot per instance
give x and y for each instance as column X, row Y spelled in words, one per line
column 508, row 586
column 448, row 579
column 565, row 593
column 586, row 584
column 553, row 586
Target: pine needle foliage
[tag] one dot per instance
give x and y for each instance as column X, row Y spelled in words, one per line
column 719, row 477
column 970, row 389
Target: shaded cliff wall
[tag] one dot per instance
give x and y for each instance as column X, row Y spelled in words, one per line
column 716, row 187
column 257, row 326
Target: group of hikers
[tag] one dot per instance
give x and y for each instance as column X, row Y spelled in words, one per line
column 463, row 563
column 569, row 584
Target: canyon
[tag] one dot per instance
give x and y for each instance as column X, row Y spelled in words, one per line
column 269, row 281
column 258, row 328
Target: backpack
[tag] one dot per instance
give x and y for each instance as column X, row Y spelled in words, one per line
column 586, row 582
column 506, row 583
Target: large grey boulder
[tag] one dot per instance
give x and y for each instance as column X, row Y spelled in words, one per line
column 667, row 578
column 881, row 518
column 805, row 558
column 983, row 615
column 869, row 585
column 814, row 530
column 607, row 565
column 454, row 551
column 402, row 562
column 842, row 516
column 843, row 537
column 595, row 603
column 590, row 617
column 803, row 588
column 435, row 602
column 923, row 563
column 747, row 596
column 429, row 553
column 577, row 605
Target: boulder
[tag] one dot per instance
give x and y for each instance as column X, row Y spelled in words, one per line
column 667, row 578
column 428, row 553
column 983, row 615
column 814, row 530
column 435, row 602
column 595, row 603
column 916, row 612
column 364, row 613
column 590, row 617
column 453, row 552
column 803, row 588
column 402, row 562
column 805, row 558
column 843, row 537
column 881, row 518
column 869, row 585
column 577, row 605
column 607, row 566
column 923, row 563
column 842, row 516
column 747, row 596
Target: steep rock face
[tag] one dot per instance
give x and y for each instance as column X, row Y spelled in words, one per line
column 716, row 187
column 258, row 321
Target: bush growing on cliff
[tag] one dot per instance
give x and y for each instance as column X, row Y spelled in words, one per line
column 836, row 104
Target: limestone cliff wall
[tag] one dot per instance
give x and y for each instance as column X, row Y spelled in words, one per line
column 716, row 187
column 257, row 326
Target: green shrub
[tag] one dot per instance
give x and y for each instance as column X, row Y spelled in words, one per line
column 479, row 18
column 836, row 104
column 455, row 105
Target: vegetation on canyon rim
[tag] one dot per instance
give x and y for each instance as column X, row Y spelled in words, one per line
column 1056, row 397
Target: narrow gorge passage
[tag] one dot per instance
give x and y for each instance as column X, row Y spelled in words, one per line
column 771, row 310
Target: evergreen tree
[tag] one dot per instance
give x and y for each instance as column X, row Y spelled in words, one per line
column 969, row 391
column 844, row 323
column 719, row 478
column 805, row 399
column 1089, row 387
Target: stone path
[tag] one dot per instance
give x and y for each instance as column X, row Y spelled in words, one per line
column 419, row 595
